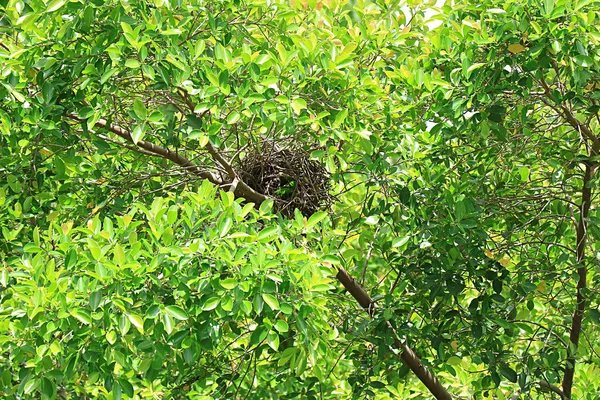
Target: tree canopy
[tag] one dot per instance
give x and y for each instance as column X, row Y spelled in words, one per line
column 299, row 199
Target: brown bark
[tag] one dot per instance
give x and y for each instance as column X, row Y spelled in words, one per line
column 241, row 189
column 408, row 356
column 593, row 143
column 584, row 209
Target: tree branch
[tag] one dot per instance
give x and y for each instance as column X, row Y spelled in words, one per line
column 241, row 189
column 408, row 356
column 237, row 185
column 549, row 386
column 568, row 115
column 584, row 209
column 156, row 150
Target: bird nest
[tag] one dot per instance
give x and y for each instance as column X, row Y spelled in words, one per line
column 289, row 177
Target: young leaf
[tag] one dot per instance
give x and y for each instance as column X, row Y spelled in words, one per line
column 140, row 109
column 138, row 133
column 271, row 301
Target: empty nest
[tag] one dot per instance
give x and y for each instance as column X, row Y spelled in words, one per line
column 288, row 176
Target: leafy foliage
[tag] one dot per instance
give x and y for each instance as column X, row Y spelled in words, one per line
column 139, row 260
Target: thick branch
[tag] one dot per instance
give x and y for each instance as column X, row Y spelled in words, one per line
column 584, row 209
column 408, row 356
column 156, row 150
column 144, row 147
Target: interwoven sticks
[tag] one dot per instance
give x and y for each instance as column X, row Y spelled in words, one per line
column 289, row 176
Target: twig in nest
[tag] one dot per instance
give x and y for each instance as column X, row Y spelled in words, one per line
column 290, row 177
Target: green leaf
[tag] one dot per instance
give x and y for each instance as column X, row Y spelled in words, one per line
column 268, row 234
column 583, row 61
column 233, row 117
column 124, row 324
column 140, row 109
column 273, row 340
column 119, row 255
column 47, row 92
column 400, row 241
column 211, row 303
column 86, row 112
column 454, row 360
column 177, row 312
column 524, row 173
column 31, row 385
column 117, row 392
column 316, row 218
column 138, row 133
column 246, row 307
column 48, row 388
column 107, row 75
column 95, row 299
column 258, row 335
column 271, row 301
column 508, row 373
column 266, row 206
column 111, row 337
column 594, row 315
column 6, row 123
column 132, row 63
column 281, row 326
column 55, row 5
column 194, row 121
column 298, row 105
column 372, row 220
column 332, row 259
column 223, row 78
column 168, row 323
column 127, row 28
column 199, row 48
column 460, row 210
column 170, row 32
column 126, row 386
column 224, row 226
column 82, row 315
column 229, row 283
column 137, row 321
column 340, row 117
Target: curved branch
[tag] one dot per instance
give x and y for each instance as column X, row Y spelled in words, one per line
column 240, row 189
column 157, row 151
column 408, row 356
column 549, row 386
column 236, row 185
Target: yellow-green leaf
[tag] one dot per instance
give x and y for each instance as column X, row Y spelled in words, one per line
column 516, row 48
column 177, row 312
column 271, row 301
column 298, row 105
column 55, row 5
column 137, row 321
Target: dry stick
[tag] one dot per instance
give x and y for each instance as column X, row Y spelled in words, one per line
column 408, row 356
